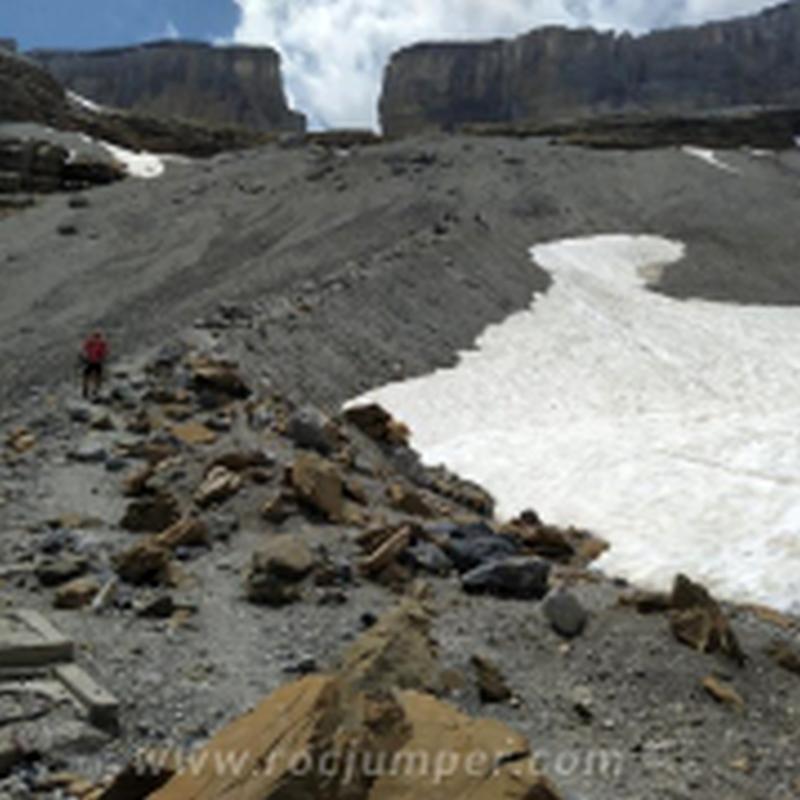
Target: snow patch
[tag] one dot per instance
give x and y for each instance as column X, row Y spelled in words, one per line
column 138, row 165
column 84, row 102
column 671, row 428
column 710, row 157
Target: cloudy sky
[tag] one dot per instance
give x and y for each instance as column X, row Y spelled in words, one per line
column 334, row 50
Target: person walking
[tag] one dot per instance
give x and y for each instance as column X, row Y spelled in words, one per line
column 93, row 354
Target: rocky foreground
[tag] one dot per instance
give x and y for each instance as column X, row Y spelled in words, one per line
column 221, row 558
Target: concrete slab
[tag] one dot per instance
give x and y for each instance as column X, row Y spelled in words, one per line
column 27, row 639
column 33, row 652
column 101, row 706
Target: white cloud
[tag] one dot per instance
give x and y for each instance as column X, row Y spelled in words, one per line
column 334, row 51
column 171, row 31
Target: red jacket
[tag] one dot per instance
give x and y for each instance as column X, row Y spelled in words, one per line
column 95, row 350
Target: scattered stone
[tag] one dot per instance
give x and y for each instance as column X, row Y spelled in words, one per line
column 492, row 686
column 523, row 578
column 277, row 569
column 20, row 440
column 386, row 553
column 106, row 595
column 146, row 562
column 89, row 452
column 647, row 602
column 470, row 546
column 376, row 423
column 220, row 484
column 409, row 501
column 318, row 484
column 218, row 377
column 429, row 558
column 723, row 693
column 80, row 412
column 698, row 621
column 193, row 433
column 78, row 593
column 136, row 483
column 55, row 571
column 463, row 492
column 242, row 460
column 187, row 532
column 308, row 427
column 151, row 514
column 565, row 613
column 222, row 526
column 279, row 506
column 160, row 607
column 784, row 656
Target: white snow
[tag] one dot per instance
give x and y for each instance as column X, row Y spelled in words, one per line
column 86, row 103
column 671, row 428
column 710, row 157
column 138, row 165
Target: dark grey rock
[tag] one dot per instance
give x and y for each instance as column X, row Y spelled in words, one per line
column 429, row 558
column 89, row 452
column 308, row 427
column 523, row 578
column 469, row 546
column 565, row 613
column 53, row 571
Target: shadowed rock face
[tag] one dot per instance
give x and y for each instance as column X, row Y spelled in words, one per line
column 27, row 93
column 554, row 74
column 218, row 85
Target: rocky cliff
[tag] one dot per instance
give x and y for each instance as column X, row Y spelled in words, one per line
column 218, row 85
column 29, row 94
column 556, row 73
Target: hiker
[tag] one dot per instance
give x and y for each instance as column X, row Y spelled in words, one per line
column 93, row 355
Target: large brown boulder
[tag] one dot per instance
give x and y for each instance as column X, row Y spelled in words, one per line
column 276, row 570
column 318, row 484
column 367, row 732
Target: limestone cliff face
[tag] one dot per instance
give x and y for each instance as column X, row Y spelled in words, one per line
column 555, row 73
column 218, row 85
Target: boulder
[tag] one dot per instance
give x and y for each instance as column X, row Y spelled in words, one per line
column 151, row 514
column 146, row 562
column 276, row 570
column 186, row 532
column 430, row 558
column 318, row 484
column 78, row 593
column 492, row 686
column 564, row 612
column 460, row 491
column 359, row 735
column 308, row 427
column 723, row 693
column 220, row 484
column 408, row 501
column 20, row 440
column 279, row 506
column 398, row 651
column 376, row 423
column 523, row 578
column 697, row 620
column 785, row 657
column 470, row 546
column 58, row 570
column 89, row 451
column 220, row 378
column 193, row 433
